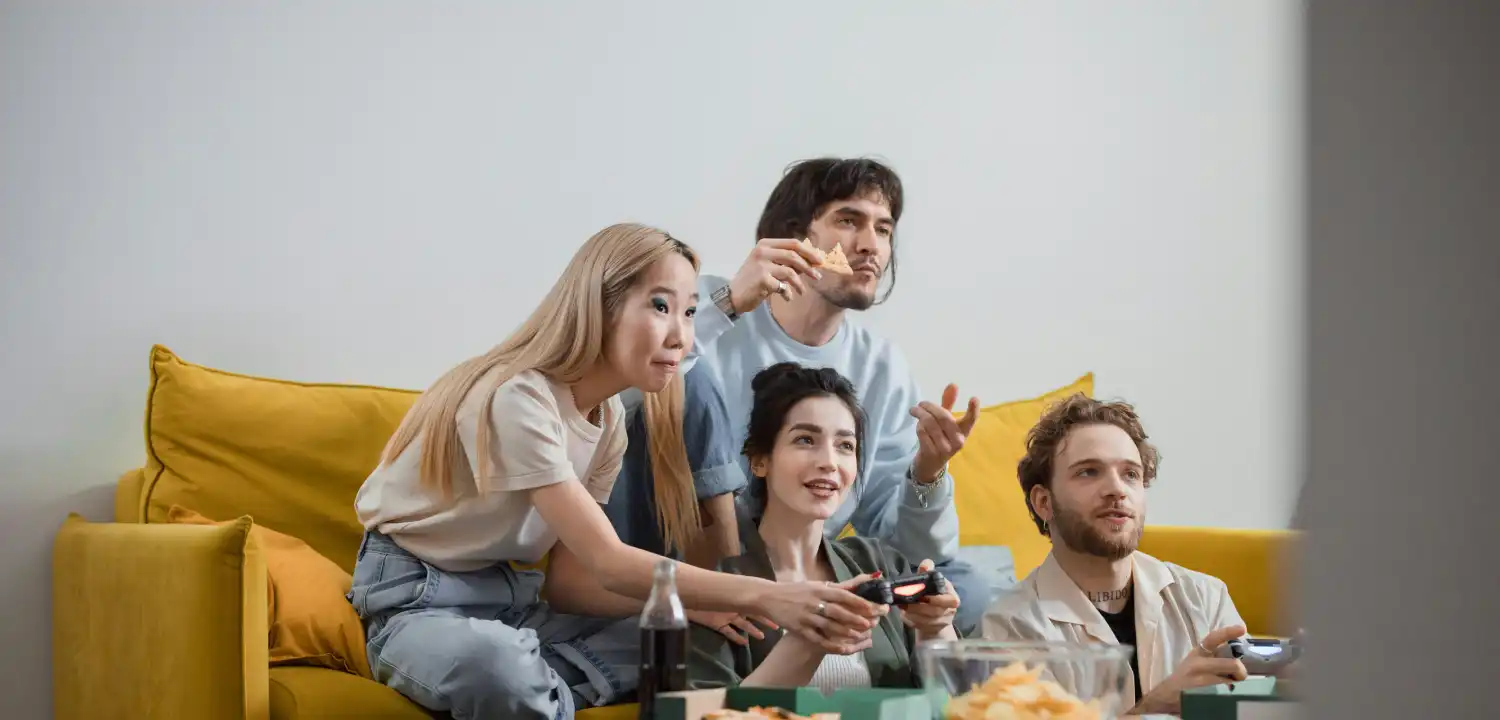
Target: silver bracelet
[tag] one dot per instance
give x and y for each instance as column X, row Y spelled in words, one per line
column 922, row 489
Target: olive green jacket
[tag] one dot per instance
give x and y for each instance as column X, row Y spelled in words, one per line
column 715, row 662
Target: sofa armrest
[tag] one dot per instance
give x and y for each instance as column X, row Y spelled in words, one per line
column 1255, row 564
column 158, row 621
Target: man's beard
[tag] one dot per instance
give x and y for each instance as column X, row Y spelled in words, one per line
column 848, row 298
column 1081, row 536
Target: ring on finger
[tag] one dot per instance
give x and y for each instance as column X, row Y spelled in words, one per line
column 782, row 290
column 822, row 610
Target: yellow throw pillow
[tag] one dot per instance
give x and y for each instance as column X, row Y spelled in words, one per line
column 311, row 621
column 991, row 507
column 289, row 454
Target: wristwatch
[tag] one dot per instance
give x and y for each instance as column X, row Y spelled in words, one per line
column 922, row 489
column 721, row 299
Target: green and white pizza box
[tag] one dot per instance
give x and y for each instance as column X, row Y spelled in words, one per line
column 1256, row 698
column 850, row 704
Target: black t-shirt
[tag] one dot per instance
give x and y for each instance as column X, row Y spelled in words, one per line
column 1122, row 624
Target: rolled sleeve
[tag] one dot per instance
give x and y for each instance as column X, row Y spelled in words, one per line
column 709, row 437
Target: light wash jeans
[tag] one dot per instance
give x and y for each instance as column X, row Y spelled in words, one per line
column 482, row 644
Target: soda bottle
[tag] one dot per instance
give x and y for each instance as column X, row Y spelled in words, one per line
column 664, row 640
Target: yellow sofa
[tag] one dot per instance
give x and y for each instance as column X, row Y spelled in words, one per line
column 160, row 620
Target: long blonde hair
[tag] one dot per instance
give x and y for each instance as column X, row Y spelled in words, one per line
column 564, row 338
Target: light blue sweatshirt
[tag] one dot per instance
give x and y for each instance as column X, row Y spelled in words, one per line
column 884, row 504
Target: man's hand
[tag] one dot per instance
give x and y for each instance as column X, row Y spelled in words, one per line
column 774, row 264
column 939, row 436
column 934, row 613
column 731, row 625
column 1200, row 668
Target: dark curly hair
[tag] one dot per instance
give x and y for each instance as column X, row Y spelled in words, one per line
column 778, row 389
column 1077, row 410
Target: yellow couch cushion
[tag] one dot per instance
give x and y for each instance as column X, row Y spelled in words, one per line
column 306, row 693
column 310, row 693
column 628, row 711
column 310, row 621
column 1255, row 564
column 991, row 507
column 292, row 455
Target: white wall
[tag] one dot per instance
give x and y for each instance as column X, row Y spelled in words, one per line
column 320, row 192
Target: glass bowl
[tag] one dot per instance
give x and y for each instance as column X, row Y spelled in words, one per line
column 964, row 679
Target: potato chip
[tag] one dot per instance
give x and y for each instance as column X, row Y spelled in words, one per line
column 1018, row 692
column 837, row 261
column 1001, row 711
column 834, row 259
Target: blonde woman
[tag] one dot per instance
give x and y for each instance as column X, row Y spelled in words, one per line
column 511, row 452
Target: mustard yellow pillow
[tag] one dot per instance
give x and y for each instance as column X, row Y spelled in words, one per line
column 311, row 621
column 991, row 508
column 289, row 454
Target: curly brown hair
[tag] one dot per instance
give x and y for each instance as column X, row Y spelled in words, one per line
column 1077, row 410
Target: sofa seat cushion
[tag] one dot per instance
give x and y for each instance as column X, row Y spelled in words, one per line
column 310, row 693
column 304, row 693
column 629, row 711
column 291, row 455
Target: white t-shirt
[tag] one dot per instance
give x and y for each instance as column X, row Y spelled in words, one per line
column 538, row 437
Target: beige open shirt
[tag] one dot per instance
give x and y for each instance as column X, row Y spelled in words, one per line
column 1174, row 608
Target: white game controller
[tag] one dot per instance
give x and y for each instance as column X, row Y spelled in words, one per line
column 1262, row 656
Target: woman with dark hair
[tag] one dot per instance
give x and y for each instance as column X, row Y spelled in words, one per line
column 803, row 445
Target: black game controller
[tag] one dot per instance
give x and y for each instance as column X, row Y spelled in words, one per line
column 905, row 591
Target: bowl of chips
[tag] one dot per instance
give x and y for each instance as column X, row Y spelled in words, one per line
column 984, row 680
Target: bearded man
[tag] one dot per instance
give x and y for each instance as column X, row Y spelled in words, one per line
column 1086, row 470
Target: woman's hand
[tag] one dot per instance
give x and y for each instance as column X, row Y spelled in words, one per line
column 933, row 614
column 829, row 616
column 775, row 265
column 731, row 625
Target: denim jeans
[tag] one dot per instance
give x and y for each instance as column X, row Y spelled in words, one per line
column 483, row 644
